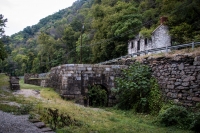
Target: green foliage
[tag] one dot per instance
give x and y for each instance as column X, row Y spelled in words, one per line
column 133, row 88
column 179, row 116
column 113, row 21
column 3, row 53
column 183, row 19
column 83, row 49
column 86, row 120
column 146, row 32
column 175, row 116
column 154, row 97
column 195, row 125
column 25, row 109
column 58, row 120
column 181, row 32
column 97, row 96
column 22, row 110
column 8, row 108
column 109, row 24
column 2, row 25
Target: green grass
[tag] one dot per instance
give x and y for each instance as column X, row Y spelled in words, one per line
column 6, row 96
column 28, row 86
column 91, row 120
column 8, row 108
column 4, row 80
column 107, row 120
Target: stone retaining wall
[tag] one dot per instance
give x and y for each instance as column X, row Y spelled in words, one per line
column 178, row 76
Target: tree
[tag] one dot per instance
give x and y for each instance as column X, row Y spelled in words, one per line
column 47, row 48
column 2, row 25
column 85, row 49
column 117, row 23
column 183, row 19
column 69, row 38
column 3, row 53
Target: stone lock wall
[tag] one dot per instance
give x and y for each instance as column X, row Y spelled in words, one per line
column 178, row 76
column 14, row 83
column 28, row 76
column 36, row 79
column 71, row 81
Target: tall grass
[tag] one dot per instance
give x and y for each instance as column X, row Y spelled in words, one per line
column 91, row 120
column 101, row 120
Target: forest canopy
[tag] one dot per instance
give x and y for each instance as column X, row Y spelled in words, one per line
column 91, row 31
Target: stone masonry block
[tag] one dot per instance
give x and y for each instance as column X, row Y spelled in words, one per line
column 81, row 68
column 197, row 58
column 197, row 99
column 181, row 66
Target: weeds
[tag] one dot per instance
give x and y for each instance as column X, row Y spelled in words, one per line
column 8, row 108
column 56, row 119
column 75, row 118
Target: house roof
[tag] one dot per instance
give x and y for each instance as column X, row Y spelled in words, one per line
column 157, row 28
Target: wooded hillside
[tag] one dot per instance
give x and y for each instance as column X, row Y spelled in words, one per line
column 101, row 27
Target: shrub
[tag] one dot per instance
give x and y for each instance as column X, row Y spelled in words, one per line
column 175, row 116
column 138, row 90
column 154, row 97
column 97, row 96
column 25, row 109
column 8, row 108
column 195, row 125
column 57, row 120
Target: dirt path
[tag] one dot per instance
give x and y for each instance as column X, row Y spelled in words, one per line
column 28, row 93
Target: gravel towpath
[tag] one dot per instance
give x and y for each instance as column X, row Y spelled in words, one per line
column 10, row 123
column 16, row 124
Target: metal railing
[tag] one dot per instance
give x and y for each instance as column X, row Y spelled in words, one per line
column 163, row 49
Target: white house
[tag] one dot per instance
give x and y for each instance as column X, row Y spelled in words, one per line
column 160, row 38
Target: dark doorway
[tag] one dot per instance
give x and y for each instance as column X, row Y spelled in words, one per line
column 138, row 45
column 98, row 96
column 145, row 41
column 132, row 44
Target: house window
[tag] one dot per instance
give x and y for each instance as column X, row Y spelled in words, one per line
column 131, row 44
column 145, row 41
column 138, row 45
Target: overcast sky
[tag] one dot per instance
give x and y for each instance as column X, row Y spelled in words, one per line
column 23, row 13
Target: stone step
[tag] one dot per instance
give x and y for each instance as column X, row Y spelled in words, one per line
column 40, row 124
column 46, row 129
column 34, row 120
